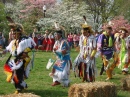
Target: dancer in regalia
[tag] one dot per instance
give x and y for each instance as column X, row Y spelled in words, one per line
column 18, row 69
column 124, row 43
column 105, row 45
column 85, row 66
column 61, row 69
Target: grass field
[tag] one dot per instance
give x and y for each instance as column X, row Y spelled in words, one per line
column 39, row 81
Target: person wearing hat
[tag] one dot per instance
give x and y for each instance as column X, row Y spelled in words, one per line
column 87, row 66
column 61, row 69
column 20, row 46
column 124, row 58
column 105, row 45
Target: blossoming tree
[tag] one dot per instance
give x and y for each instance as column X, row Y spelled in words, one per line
column 67, row 14
column 118, row 22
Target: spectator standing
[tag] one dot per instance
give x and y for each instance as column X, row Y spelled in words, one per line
column 70, row 40
column 75, row 39
column 51, row 41
column 45, row 41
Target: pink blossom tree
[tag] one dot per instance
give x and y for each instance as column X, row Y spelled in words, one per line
column 28, row 12
column 118, row 22
column 34, row 7
column 31, row 4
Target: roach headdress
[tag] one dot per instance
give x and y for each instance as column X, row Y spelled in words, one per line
column 15, row 26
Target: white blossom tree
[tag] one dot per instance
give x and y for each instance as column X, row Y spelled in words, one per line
column 67, row 14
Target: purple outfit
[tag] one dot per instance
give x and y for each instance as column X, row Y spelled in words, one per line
column 102, row 45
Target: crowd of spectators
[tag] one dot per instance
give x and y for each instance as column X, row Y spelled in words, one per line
column 73, row 39
column 44, row 41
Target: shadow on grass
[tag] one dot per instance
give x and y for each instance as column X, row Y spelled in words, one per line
column 48, row 93
column 121, row 96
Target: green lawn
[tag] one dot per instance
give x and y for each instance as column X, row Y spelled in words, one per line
column 39, row 81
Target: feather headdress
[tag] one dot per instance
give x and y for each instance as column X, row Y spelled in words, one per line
column 85, row 25
column 58, row 28
column 15, row 26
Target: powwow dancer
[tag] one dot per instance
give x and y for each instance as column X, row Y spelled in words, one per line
column 61, row 69
column 124, row 59
column 15, row 69
column 105, row 46
column 18, row 48
column 85, row 61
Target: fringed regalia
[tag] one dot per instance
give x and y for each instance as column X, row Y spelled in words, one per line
column 117, row 48
column 62, row 64
column 105, row 45
column 124, row 60
column 18, row 72
column 17, row 69
column 85, row 67
column 79, row 58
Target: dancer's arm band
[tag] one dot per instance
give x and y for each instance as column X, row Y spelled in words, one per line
column 93, row 52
